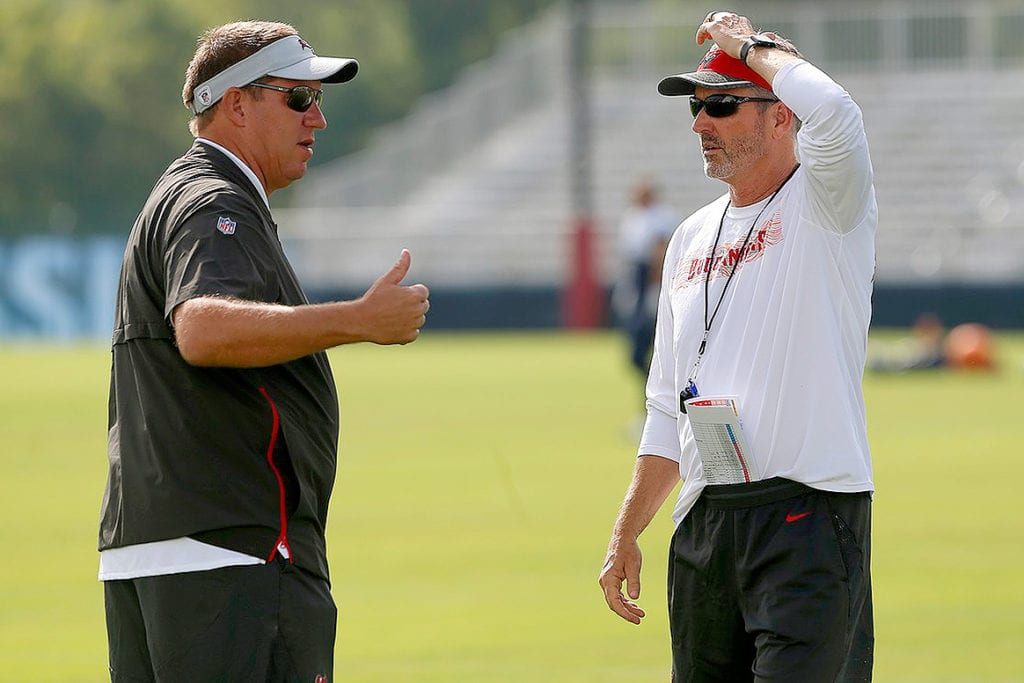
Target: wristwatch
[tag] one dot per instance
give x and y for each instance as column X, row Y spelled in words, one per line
column 756, row 40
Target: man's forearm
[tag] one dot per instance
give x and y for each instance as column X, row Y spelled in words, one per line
column 654, row 478
column 223, row 332
column 215, row 331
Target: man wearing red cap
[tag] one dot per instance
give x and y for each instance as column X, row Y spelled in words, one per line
column 754, row 395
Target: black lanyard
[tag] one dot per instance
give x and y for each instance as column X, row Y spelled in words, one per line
column 707, row 279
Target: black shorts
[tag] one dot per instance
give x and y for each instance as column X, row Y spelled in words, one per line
column 770, row 581
column 272, row 622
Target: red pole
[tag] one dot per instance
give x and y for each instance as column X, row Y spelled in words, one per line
column 583, row 299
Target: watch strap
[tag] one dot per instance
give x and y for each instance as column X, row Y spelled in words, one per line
column 754, row 41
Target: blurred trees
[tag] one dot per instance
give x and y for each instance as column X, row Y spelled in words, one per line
column 90, row 90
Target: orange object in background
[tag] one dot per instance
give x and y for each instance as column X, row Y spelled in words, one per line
column 970, row 346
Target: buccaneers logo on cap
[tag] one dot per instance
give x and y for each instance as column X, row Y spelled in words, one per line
column 708, row 58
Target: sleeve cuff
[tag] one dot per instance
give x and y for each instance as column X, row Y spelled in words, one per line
column 660, row 437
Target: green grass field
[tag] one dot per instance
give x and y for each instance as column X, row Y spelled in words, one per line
column 479, row 478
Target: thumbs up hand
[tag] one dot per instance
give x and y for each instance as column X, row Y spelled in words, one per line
column 399, row 270
column 395, row 312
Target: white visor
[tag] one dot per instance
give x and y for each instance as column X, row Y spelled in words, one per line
column 290, row 57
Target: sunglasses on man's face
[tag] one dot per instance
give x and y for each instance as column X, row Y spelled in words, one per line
column 300, row 98
column 720, row 106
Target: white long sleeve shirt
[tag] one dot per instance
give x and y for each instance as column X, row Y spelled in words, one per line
column 790, row 338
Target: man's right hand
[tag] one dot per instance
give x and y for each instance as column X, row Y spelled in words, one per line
column 395, row 312
column 654, row 477
column 623, row 564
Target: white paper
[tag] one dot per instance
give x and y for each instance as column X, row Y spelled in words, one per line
column 724, row 453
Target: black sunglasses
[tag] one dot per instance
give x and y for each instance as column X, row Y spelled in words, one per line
column 300, row 98
column 720, row 106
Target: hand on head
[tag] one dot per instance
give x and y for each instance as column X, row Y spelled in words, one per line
column 727, row 30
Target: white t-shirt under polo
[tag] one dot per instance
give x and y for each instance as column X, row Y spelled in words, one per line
column 790, row 338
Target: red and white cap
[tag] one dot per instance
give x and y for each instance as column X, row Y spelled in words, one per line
column 716, row 70
column 290, row 57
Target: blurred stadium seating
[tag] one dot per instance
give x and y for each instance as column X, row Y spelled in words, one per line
column 476, row 180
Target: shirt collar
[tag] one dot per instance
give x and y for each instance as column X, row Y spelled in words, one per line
column 241, row 164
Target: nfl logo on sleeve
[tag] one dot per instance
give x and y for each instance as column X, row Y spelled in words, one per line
column 226, row 225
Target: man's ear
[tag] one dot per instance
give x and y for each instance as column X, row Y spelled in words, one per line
column 783, row 121
column 234, row 106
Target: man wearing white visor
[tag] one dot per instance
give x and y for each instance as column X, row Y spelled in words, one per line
column 223, row 412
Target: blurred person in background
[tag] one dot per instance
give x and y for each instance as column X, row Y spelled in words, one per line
column 644, row 231
column 925, row 348
column 968, row 346
column 223, row 425
column 765, row 304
